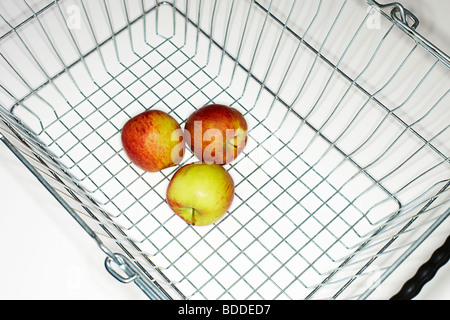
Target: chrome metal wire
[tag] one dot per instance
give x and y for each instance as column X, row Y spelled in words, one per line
column 347, row 164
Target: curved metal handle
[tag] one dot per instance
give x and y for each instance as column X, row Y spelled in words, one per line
column 131, row 273
column 400, row 15
column 404, row 13
column 425, row 273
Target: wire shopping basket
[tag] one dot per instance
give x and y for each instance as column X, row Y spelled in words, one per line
column 345, row 173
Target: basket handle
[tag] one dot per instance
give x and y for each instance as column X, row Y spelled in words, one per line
column 425, row 273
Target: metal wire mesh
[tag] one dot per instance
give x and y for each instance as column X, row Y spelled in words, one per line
column 347, row 162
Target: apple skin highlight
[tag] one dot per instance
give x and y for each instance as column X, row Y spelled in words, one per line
column 216, row 133
column 200, row 193
column 151, row 140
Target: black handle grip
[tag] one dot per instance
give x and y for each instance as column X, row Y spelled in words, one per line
column 425, row 273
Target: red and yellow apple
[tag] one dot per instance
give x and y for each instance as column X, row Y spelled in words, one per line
column 216, row 133
column 153, row 140
column 200, row 193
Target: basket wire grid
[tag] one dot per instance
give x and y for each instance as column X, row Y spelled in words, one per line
column 346, row 169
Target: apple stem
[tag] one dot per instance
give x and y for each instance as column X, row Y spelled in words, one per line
column 193, row 218
column 232, row 141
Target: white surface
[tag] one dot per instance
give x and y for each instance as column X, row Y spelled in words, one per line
column 45, row 253
column 65, row 263
column 434, row 21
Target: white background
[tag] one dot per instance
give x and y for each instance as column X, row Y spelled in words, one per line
column 44, row 254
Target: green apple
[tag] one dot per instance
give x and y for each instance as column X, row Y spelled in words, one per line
column 200, row 193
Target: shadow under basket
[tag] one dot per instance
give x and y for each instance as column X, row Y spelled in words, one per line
column 346, row 169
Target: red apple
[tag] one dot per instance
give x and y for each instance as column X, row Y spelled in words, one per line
column 216, row 133
column 200, row 193
column 153, row 140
